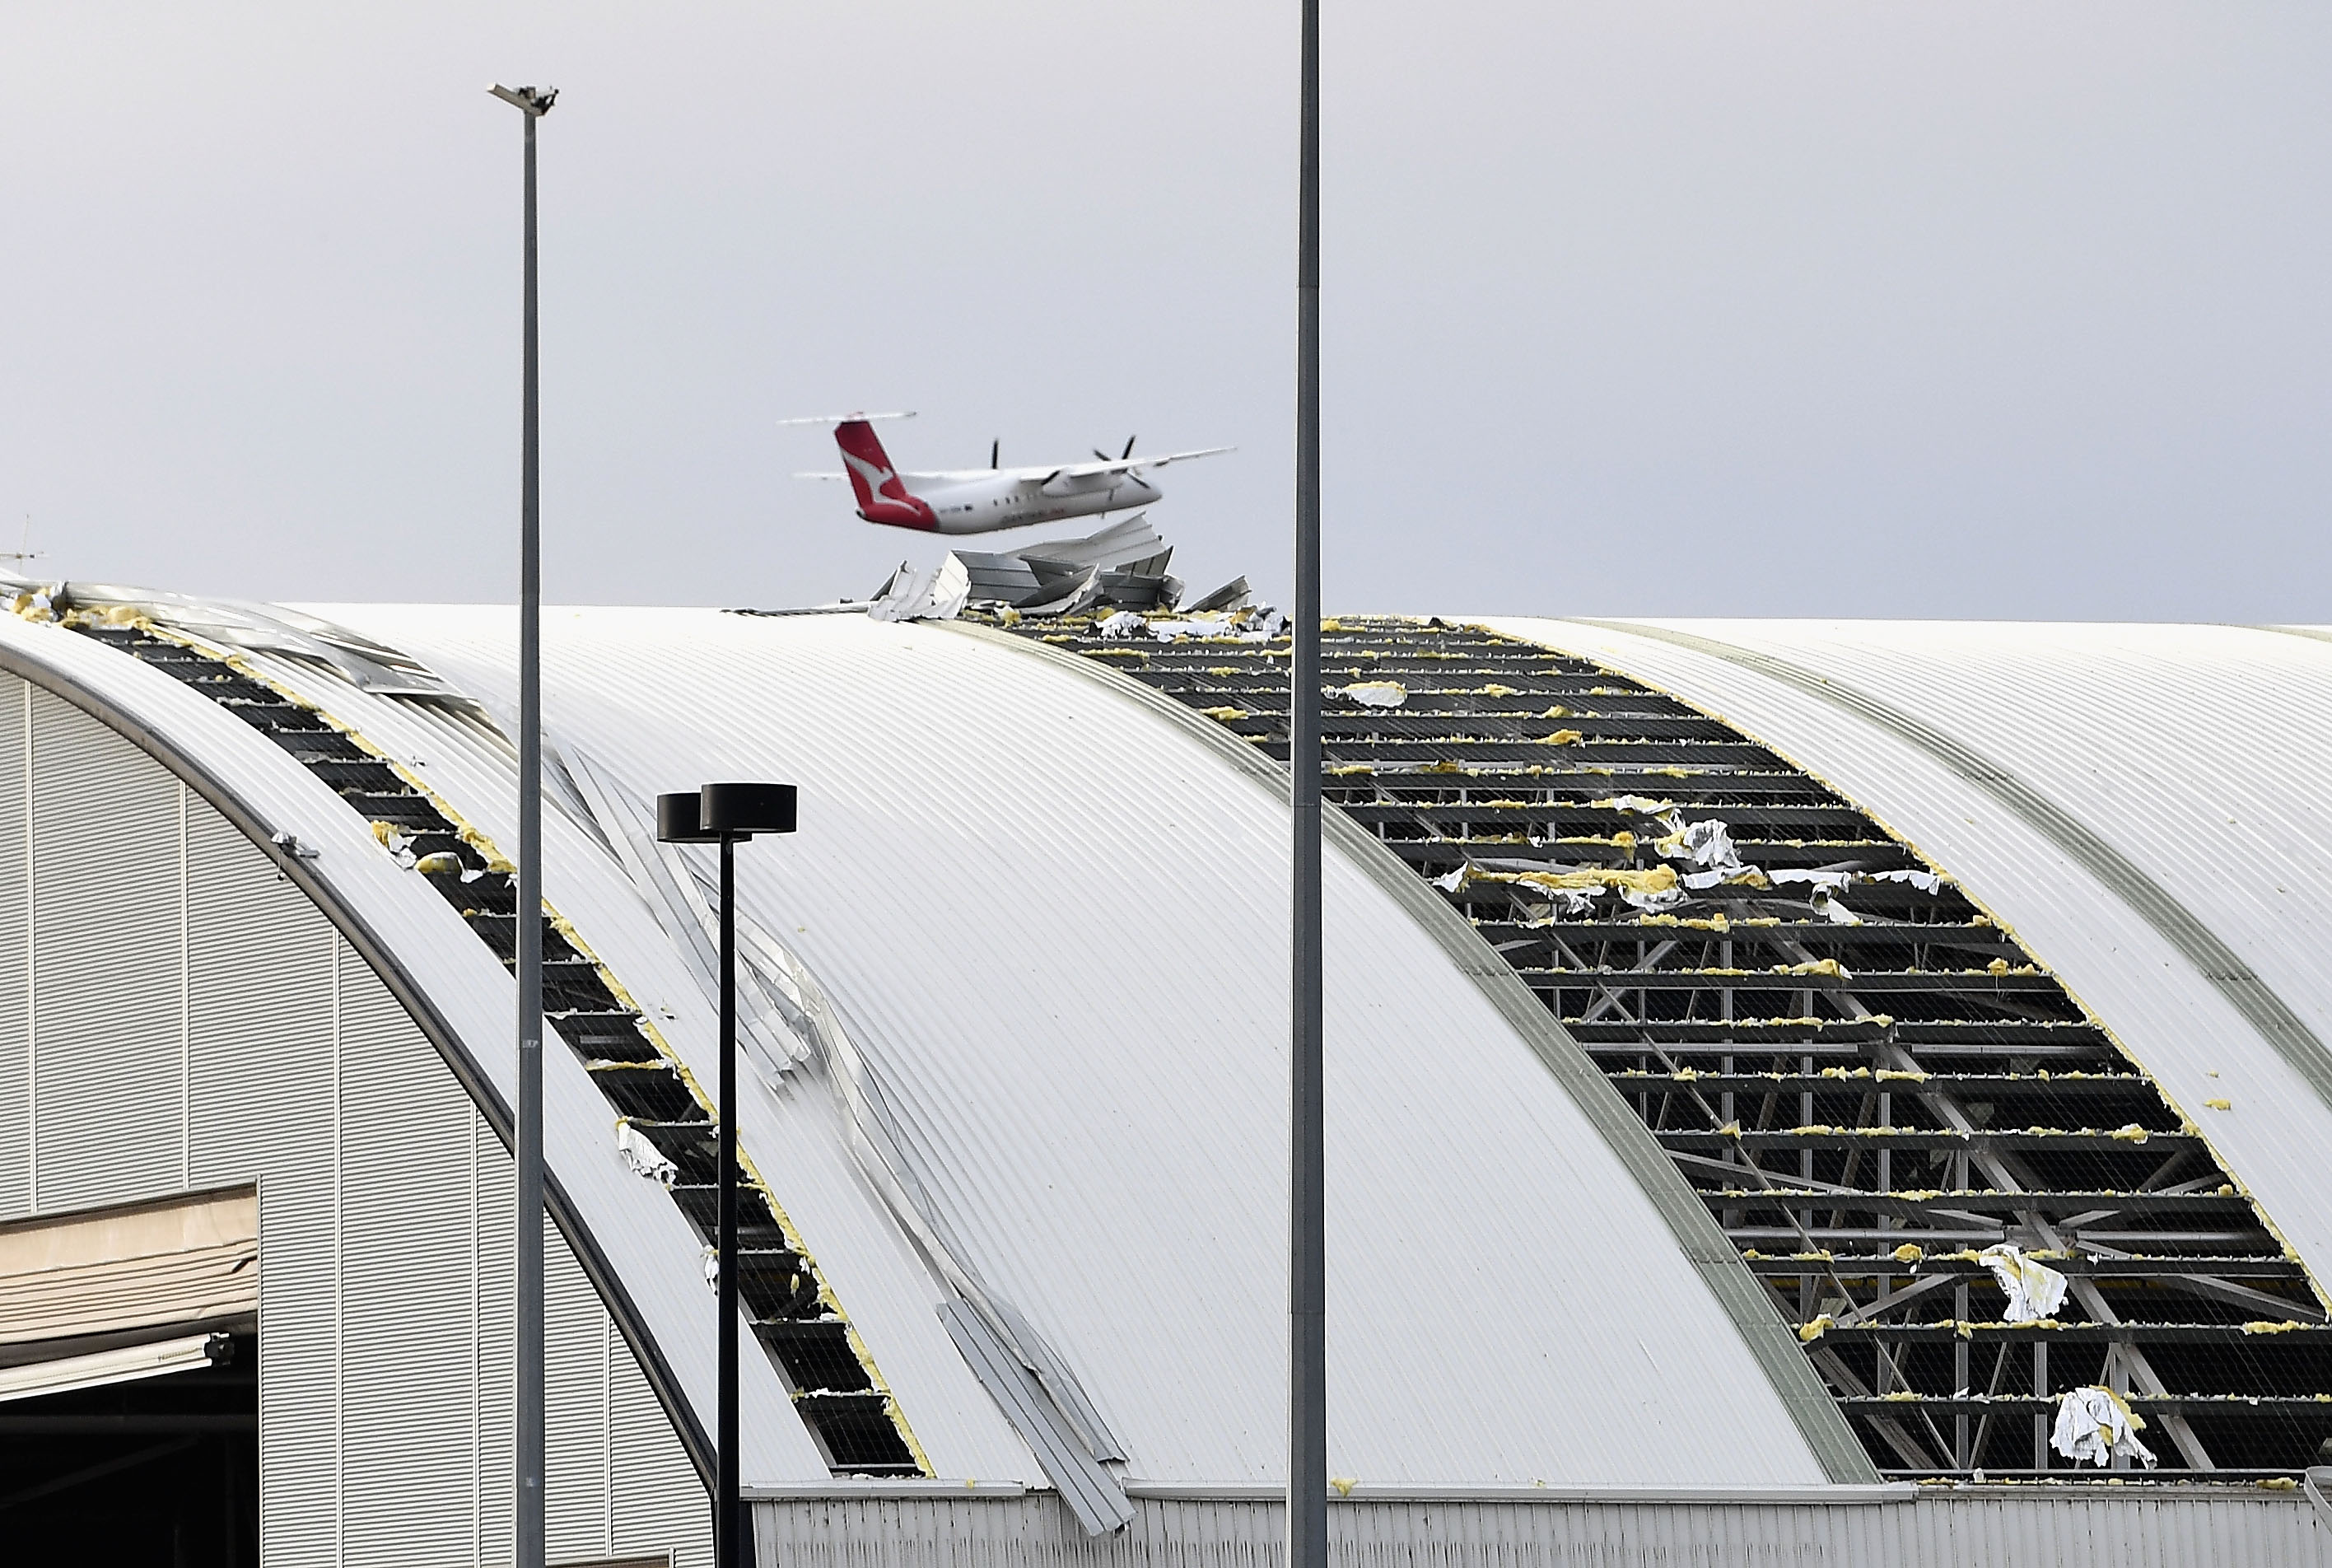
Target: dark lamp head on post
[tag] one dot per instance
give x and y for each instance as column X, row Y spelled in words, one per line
column 678, row 821
column 720, row 811
column 742, row 810
column 725, row 813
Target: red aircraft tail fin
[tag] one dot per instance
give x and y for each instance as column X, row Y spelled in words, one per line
column 882, row 496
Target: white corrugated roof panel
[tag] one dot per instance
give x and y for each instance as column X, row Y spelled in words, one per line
column 1058, row 921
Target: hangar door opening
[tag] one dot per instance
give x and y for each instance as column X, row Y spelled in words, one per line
column 129, row 1383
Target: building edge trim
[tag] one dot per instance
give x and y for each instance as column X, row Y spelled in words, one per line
column 622, row 1310
column 1769, row 1341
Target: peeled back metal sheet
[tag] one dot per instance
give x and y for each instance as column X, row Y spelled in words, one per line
column 1091, row 1492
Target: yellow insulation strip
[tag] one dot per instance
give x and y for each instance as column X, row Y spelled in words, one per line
column 1657, row 879
column 494, row 858
column 114, row 617
column 756, row 1182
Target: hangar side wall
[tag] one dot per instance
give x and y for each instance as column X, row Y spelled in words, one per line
column 1905, row 1527
column 174, row 1016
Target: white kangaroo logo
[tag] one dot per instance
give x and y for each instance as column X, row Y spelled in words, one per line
column 875, row 478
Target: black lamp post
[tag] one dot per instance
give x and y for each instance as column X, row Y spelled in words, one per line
column 724, row 814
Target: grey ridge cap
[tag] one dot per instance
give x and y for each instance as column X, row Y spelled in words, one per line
column 2283, row 1029
column 1769, row 1340
column 402, row 984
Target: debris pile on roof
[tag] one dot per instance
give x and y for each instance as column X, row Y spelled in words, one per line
column 934, row 594
column 1121, row 567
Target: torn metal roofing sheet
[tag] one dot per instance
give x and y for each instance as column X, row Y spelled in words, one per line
column 2195, row 752
column 2132, row 805
column 1043, row 915
column 1739, row 949
column 1048, row 913
column 817, row 1367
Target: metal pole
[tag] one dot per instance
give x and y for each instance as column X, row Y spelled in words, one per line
column 1307, row 1280
column 527, row 1530
column 729, row 1547
column 530, row 1537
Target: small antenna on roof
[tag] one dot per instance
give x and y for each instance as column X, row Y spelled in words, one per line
column 24, row 550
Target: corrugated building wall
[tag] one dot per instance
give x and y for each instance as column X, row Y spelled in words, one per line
column 1903, row 1527
column 175, row 1016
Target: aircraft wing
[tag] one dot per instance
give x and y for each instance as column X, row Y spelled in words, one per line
column 1120, row 464
column 923, row 473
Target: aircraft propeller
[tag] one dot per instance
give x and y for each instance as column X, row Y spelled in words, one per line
column 1120, row 457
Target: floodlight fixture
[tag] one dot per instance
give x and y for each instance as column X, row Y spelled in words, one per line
column 534, row 102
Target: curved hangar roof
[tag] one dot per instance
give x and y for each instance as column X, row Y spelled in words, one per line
column 1989, row 922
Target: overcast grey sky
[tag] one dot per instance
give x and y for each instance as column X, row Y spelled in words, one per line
column 1970, row 309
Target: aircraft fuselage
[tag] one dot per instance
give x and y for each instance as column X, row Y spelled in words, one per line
column 1010, row 499
column 985, row 500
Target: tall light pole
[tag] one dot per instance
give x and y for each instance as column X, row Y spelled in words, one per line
column 533, row 103
column 726, row 813
column 1307, row 1272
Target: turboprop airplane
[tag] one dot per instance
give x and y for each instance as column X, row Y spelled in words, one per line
column 984, row 500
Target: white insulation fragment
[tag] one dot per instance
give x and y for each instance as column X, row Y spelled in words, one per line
column 1252, row 623
column 1374, row 693
column 2095, row 1427
column 2035, row 1291
column 644, row 1157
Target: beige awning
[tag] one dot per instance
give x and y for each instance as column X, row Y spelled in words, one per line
column 141, row 1266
